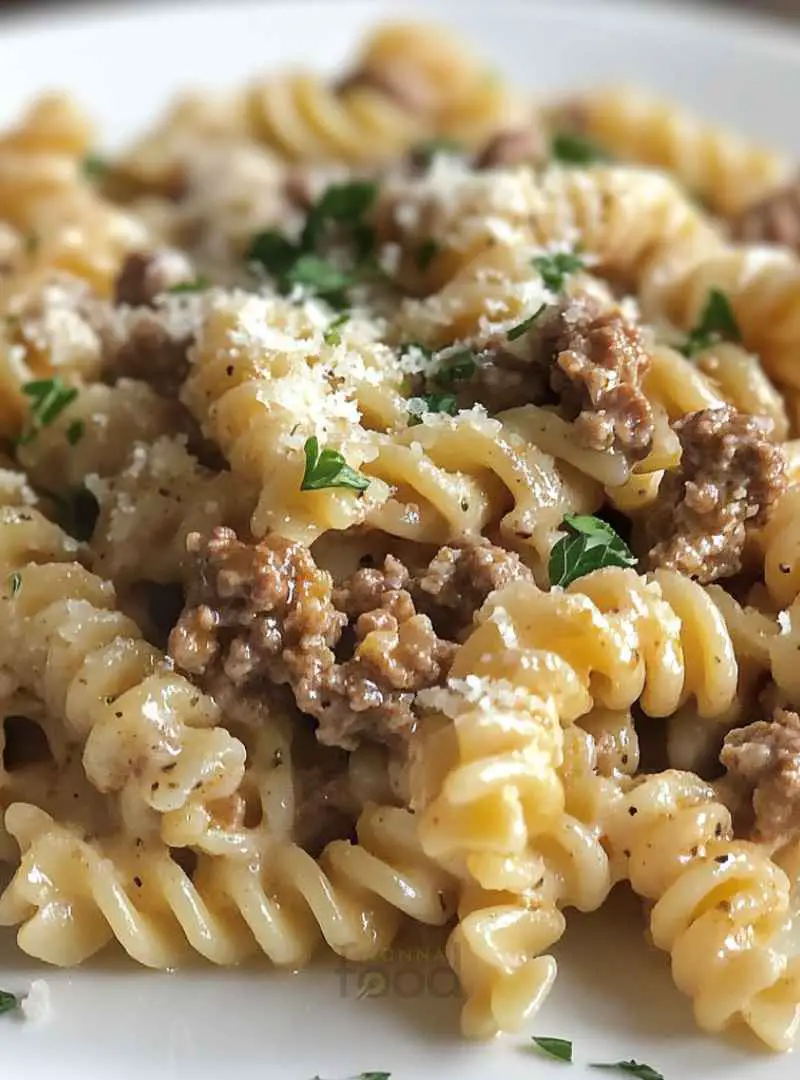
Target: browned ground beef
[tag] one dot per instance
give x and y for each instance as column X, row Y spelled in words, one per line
column 772, row 220
column 265, row 611
column 763, row 760
column 146, row 275
column 729, row 477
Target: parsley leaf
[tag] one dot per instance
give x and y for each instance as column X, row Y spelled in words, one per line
column 590, row 544
column 14, row 585
column 76, row 512
column 431, row 403
column 328, row 469
column 9, row 1002
column 426, row 253
column 560, row 1049
column 717, row 323
column 344, row 204
column 49, row 399
column 332, row 335
column 273, row 251
column 319, row 276
column 572, row 149
column 524, row 326
column 94, row 166
column 198, row 285
column 424, row 153
column 557, row 267
column 456, row 368
column 632, row 1068
column 75, row 432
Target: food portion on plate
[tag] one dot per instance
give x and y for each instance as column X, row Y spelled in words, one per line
column 400, row 524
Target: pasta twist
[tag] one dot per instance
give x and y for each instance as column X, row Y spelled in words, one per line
column 144, row 729
column 722, row 907
column 762, row 285
column 780, row 542
column 72, row 896
column 721, row 168
column 263, row 381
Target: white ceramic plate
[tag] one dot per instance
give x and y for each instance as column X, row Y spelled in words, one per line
column 614, row 997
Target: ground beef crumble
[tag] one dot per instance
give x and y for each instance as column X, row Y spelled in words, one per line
column 729, row 477
column 763, row 762
column 597, row 363
column 774, row 219
column 265, row 611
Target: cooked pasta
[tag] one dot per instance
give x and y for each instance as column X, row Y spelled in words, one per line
column 397, row 526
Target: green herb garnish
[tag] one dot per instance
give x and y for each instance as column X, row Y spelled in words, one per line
column 76, row 512
column 49, row 399
column 75, row 432
column 8, row 1001
column 590, row 544
column 320, row 277
column 343, row 204
column 199, row 284
column 425, row 152
column 632, row 1068
column 328, row 469
column 426, row 252
column 717, row 323
column 431, row 403
column 94, row 167
column 273, row 251
column 456, row 368
column 575, row 150
column 523, row 327
column 560, row 1049
column 14, row 585
column 557, row 267
column 332, row 335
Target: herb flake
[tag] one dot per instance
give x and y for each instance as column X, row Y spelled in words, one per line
column 717, row 323
column 524, row 326
column 14, row 585
column 560, row 1049
column 332, row 335
column 9, row 1002
column 456, row 368
column 342, row 204
column 556, row 267
column 590, row 544
column 431, row 403
column 632, row 1068
column 328, row 469
column 572, row 149
column 426, row 253
column 198, row 284
column 424, row 153
column 75, row 432
column 94, row 167
column 49, row 398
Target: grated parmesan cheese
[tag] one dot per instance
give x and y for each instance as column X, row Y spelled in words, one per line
column 36, row 1005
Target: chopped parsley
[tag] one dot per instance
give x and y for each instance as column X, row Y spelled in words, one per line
column 94, row 167
column 571, row 149
column 425, row 152
column 342, row 204
column 426, row 252
column 560, row 1049
column 524, row 326
column 199, row 284
column 49, row 398
column 328, row 469
column 717, row 323
column 77, row 512
column 332, row 335
column 555, row 268
column 632, row 1068
column 9, row 1002
column 431, row 403
column 456, row 369
column 75, row 432
column 590, row 544
column 301, row 264
column 14, row 585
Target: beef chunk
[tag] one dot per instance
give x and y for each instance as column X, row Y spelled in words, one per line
column 729, row 477
column 763, row 760
column 772, row 220
column 144, row 276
